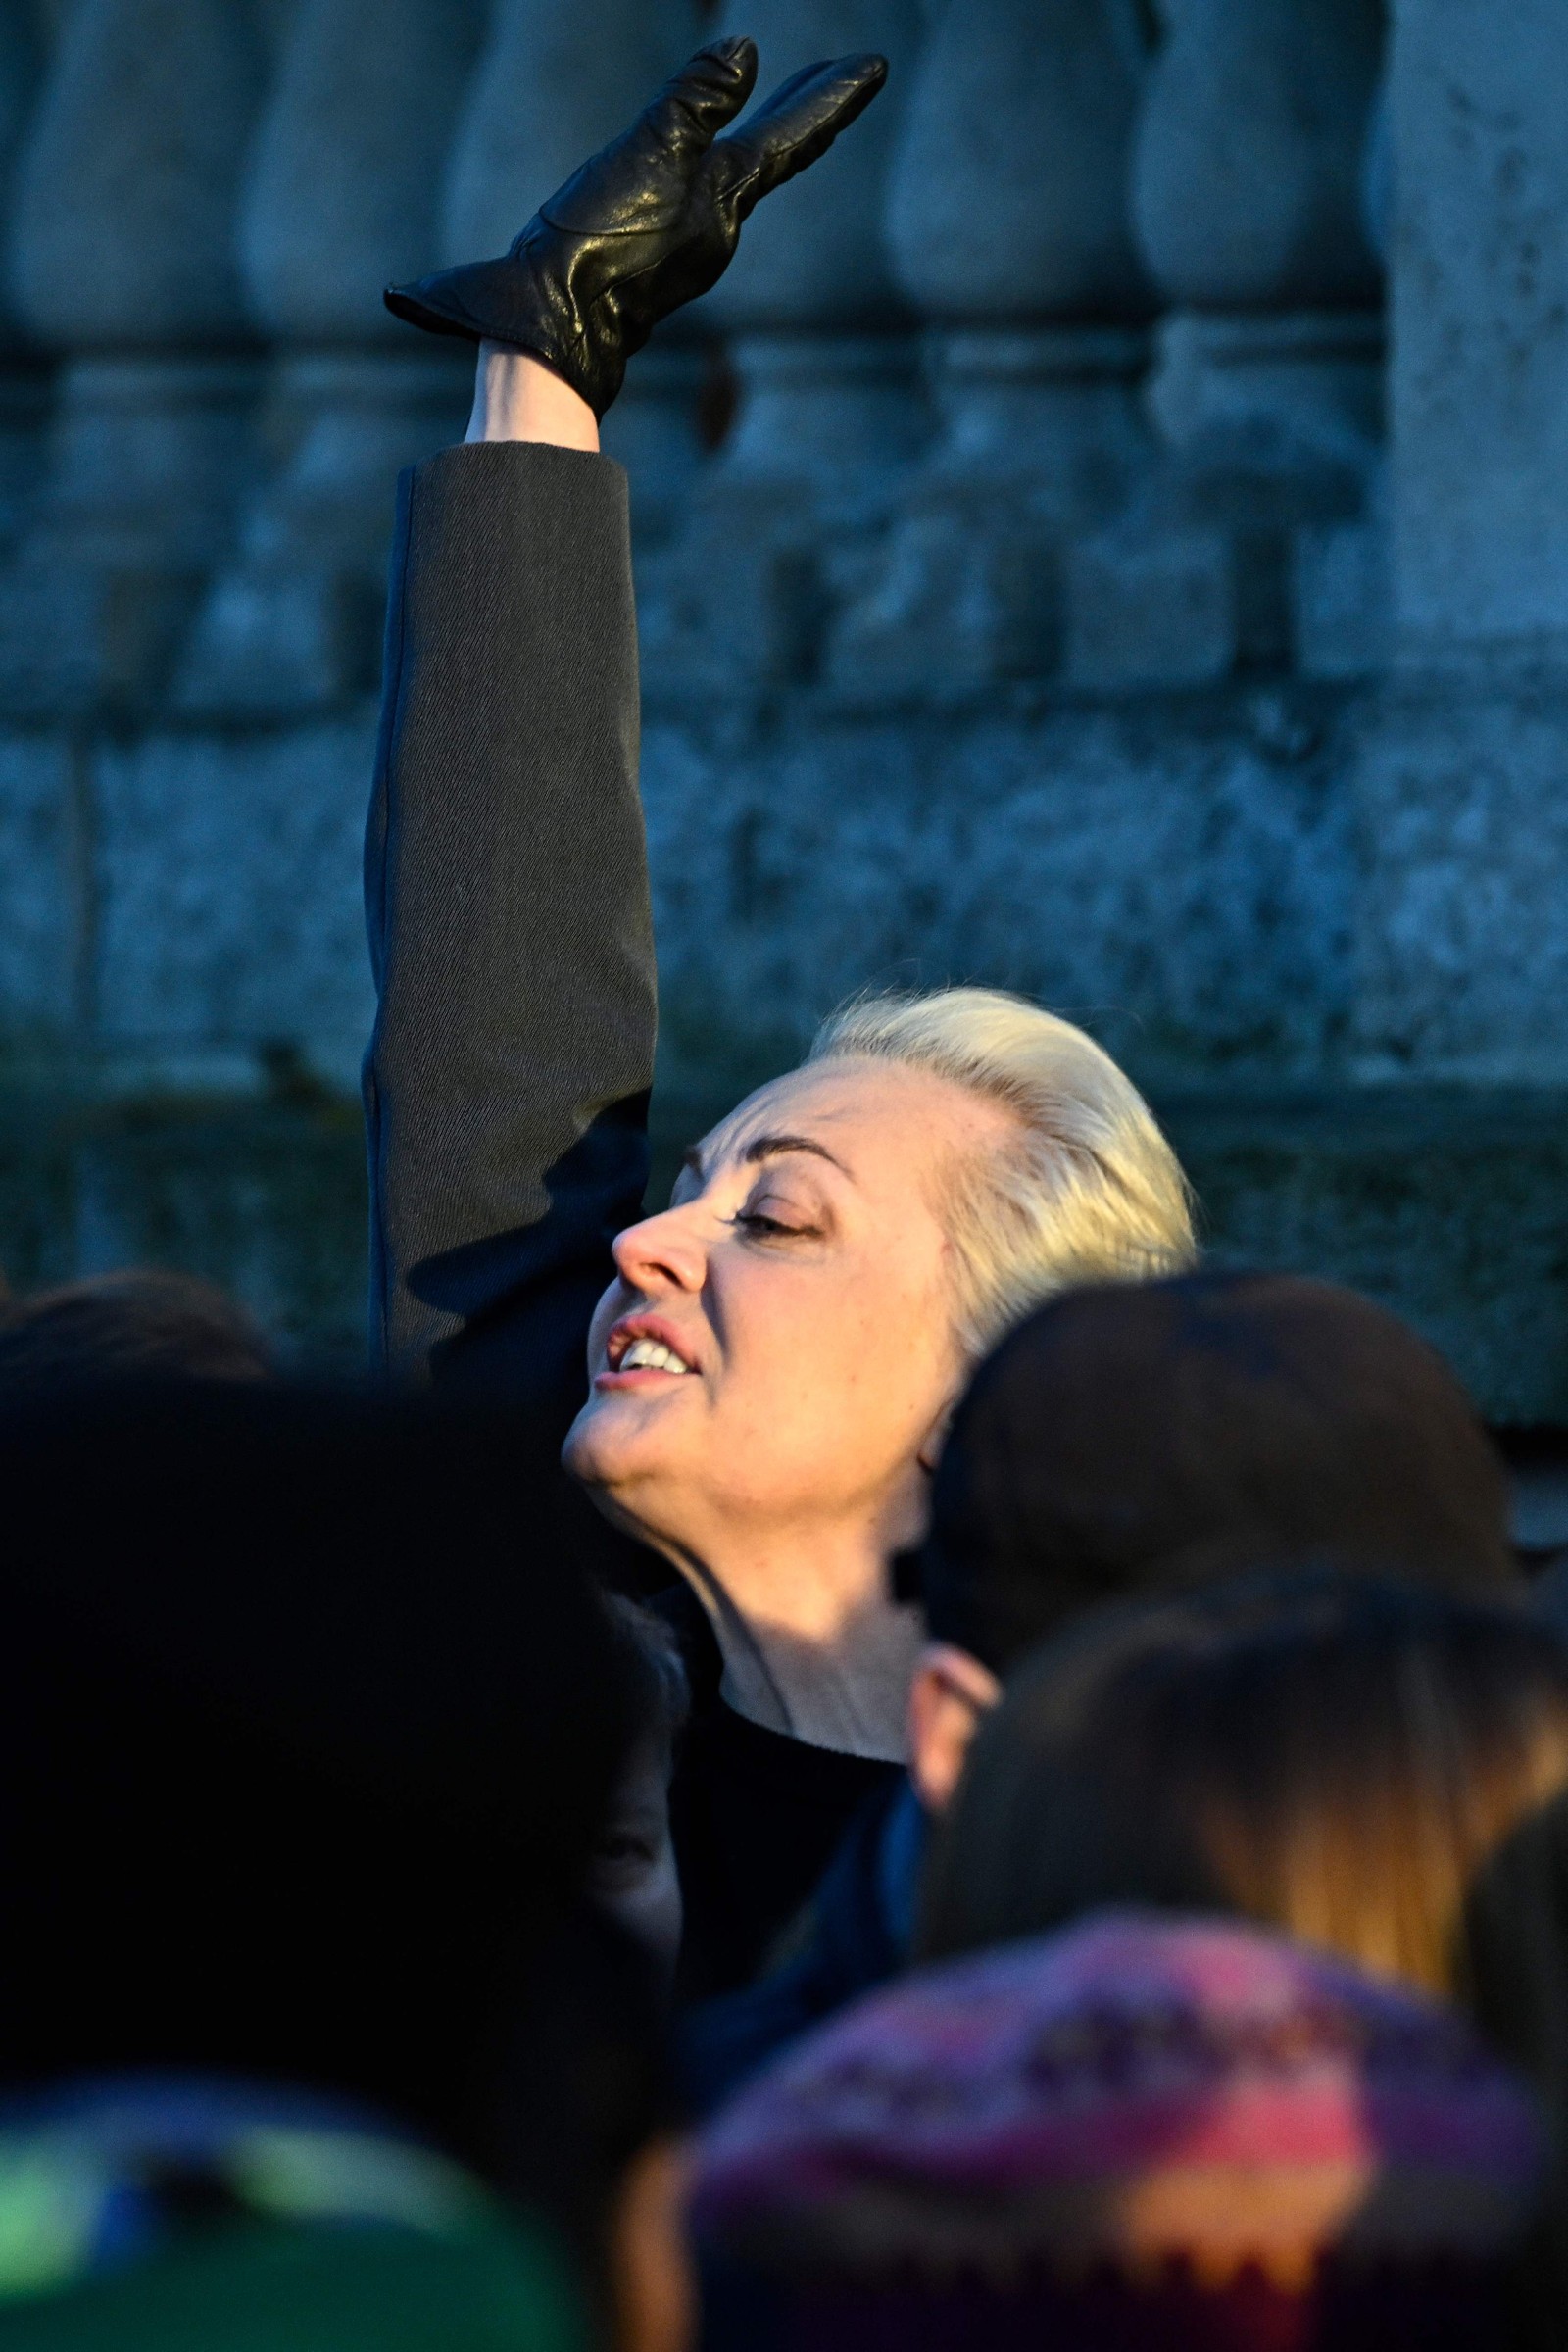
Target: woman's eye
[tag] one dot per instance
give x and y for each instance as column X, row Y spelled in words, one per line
column 758, row 1221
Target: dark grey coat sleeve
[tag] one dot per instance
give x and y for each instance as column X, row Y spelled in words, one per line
column 506, row 1081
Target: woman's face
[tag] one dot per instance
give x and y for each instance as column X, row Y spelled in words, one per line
column 778, row 1345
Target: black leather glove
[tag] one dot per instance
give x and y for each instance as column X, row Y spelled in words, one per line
column 650, row 223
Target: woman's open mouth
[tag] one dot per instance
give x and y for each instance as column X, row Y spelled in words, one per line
column 640, row 1351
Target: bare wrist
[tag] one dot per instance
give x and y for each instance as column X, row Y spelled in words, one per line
column 518, row 398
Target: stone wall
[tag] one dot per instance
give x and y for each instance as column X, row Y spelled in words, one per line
column 1047, row 576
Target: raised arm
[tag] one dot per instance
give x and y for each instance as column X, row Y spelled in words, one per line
column 507, row 896
column 506, row 1081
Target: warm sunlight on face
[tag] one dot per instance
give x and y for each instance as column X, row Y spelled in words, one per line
column 779, row 1345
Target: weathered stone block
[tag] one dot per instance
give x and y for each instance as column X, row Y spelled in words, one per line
column 274, row 644
column 1175, row 880
column 40, row 895
column 1341, row 599
column 264, row 1195
column 741, row 602
column 1150, row 608
column 228, row 881
column 1461, row 921
column 292, row 625
column 1448, row 1205
column 1479, row 375
column 88, row 637
column 963, row 600
column 147, row 458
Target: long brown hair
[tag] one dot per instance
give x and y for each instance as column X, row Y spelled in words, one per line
column 1334, row 1756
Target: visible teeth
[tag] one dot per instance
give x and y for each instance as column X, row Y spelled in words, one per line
column 651, row 1356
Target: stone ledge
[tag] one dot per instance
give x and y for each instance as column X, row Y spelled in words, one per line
column 1451, row 1205
column 264, row 1196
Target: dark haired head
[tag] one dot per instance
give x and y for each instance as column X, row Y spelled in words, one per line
column 145, row 1323
column 1160, row 1434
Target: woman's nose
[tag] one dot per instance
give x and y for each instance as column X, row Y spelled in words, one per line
column 662, row 1252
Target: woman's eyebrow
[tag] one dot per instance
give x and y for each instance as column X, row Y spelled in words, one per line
column 770, row 1147
column 760, row 1148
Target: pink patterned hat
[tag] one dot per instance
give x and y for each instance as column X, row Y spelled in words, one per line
column 1140, row 2106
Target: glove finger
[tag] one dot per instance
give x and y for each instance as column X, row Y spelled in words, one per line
column 694, row 104
column 798, row 123
column 642, row 178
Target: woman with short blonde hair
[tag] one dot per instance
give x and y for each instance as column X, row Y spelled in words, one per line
column 770, row 1369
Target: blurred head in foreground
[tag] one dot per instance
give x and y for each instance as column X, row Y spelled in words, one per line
column 302, row 1764
column 145, row 1323
column 1145, row 2133
column 1162, row 1435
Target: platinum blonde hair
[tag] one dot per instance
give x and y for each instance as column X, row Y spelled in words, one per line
column 1088, row 1190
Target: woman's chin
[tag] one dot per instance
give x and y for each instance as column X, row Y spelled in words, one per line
column 614, row 1440
column 626, row 1478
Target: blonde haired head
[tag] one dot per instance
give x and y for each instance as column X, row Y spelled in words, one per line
column 1088, row 1190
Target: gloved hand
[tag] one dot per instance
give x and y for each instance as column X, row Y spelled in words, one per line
column 648, row 224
